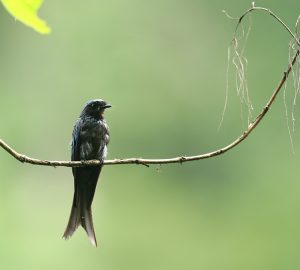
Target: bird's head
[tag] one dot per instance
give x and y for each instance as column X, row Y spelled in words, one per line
column 95, row 108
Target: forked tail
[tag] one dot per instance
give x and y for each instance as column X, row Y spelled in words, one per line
column 80, row 215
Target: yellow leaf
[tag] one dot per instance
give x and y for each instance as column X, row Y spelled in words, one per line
column 26, row 12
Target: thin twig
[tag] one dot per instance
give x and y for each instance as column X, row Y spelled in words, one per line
column 253, row 8
column 146, row 162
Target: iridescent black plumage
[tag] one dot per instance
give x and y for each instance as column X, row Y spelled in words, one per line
column 89, row 141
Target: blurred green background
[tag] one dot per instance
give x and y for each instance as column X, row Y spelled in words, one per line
column 162, row 64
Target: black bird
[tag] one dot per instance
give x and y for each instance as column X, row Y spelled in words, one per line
column 89, row 141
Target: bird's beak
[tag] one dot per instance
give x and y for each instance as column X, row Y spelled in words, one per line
column 106, row 106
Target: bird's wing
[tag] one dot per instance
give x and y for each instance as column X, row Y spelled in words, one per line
column 75, row 154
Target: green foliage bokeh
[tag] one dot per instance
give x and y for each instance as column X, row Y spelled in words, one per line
column 162, row 65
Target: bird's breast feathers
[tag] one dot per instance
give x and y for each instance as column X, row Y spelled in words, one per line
column 94, row 137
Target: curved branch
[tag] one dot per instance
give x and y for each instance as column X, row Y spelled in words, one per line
column 146, row 162
column 142, row 161
column 254, row 8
